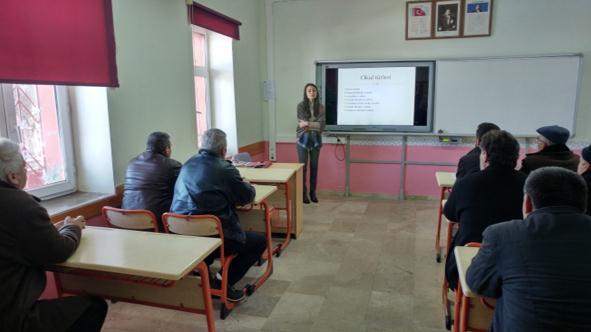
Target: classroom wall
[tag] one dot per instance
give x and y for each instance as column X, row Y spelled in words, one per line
column 154, row 61
column 309, row 30
column 153, row 41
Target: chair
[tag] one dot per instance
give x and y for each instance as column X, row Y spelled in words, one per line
column 472, row 315
column 242, row 156
column 204, row 225
column 141, row 220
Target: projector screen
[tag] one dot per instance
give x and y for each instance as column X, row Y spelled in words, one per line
column 377, row 96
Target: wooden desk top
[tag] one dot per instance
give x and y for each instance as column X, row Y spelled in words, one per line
column 145, row 254
column 464, row 257
column 266, row 175
column 294, row 166
column 445, row 179
column 263, row 192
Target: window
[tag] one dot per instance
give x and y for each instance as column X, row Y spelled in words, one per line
column 213, row 70
column 37, row 117
column 201, row 74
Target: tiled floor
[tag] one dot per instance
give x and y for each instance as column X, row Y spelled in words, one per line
column 360, row 265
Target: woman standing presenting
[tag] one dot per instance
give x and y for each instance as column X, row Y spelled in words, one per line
column 311, row 119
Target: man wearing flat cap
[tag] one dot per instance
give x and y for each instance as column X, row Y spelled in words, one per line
column 585, row 171
column 552, row 151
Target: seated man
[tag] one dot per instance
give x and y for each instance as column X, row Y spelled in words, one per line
column 470, row 162
column 28, row 243
column 150, row 177
column 585, row 171
column 539, row 268
column 552, row 151
column 487, row 197
column 209, row 184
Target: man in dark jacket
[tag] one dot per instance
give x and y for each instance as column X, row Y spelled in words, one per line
column 209, row 184
column 539, row 268
column 470, row 162
column 585, row 171
column 150, row 177
column 552, row 151
column 487, row 197
column 28, row 243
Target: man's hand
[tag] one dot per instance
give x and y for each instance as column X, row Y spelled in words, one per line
column 303, row 124
column 78, row 221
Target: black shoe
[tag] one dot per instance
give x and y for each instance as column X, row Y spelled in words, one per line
column 232, row 295
column 306, row 200
column 313, row 197
column 214, row 282
column 235, row 295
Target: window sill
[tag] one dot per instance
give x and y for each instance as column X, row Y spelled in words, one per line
column 87, row 204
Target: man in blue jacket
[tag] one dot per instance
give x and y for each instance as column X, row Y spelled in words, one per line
column 539, row 268
column 209, row 184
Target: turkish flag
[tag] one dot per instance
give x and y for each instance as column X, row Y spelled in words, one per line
column 418, row 12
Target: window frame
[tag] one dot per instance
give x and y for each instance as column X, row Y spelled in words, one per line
column 8, row 129
column 203, row 72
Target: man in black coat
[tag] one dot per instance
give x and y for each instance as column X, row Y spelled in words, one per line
column 28, row 244
column 539, row 269
column 585, row 171
column 552, row 151
column 209, row 184
column 150, row 177
column 484, row 198
column 470, row 162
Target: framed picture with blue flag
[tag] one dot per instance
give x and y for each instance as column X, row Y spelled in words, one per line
column 477, row 18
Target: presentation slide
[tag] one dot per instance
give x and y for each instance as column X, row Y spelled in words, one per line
column 376, row 96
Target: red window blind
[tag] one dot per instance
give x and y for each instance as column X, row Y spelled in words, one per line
column 68, row 42
column 214, row 21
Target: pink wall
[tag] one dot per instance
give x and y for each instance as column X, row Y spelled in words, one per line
column 382, row 178
column 379, row 178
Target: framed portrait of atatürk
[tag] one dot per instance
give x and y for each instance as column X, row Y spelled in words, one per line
column 448, row 18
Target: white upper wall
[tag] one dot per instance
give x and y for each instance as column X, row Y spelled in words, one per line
column 310, row 30
column 156, row 93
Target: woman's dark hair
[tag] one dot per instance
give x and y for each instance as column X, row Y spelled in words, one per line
column 316, row 101
column 158, row 142
column 502, row 149
column 556, row 186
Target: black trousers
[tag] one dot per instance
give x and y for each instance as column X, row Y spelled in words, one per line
column 72, row 314
column 247, row 254
column 312, row 155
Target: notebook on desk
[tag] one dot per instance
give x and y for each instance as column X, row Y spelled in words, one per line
column 253, row 164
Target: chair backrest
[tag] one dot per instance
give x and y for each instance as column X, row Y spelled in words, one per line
column 242, row 156
column 197, row 225
column 130, row 219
